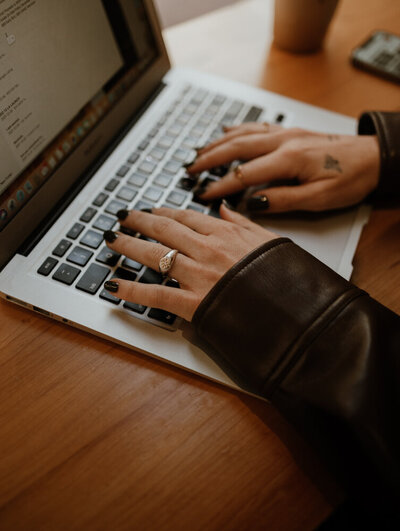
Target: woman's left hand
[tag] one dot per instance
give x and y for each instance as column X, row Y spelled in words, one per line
column 207, row 247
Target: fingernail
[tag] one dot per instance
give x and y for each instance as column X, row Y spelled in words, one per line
column 110, row 236
column 228, row 205
column 258, row 202
column 122, row 214
column 148, row 210
column 199, row 148
column 111, row 285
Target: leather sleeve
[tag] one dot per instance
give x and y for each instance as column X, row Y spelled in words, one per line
column 386, row 125
column 288, row 328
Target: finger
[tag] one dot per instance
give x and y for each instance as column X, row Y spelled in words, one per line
column 315, row 196
column 254, row 229
column 177, row 301
column 201, row 223
column 240, row 130
column 147, row 253
column 257, row 171
column 161, row 228
column 240, row 148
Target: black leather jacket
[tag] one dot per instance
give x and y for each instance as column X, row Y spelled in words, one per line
column 286, row 327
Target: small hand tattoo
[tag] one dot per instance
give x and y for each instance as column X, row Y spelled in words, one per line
column 333, row 137
column 332, row 164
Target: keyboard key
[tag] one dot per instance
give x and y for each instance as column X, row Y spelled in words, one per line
column 190, row 142
column 66, row 274
column 199, row 95
column 126, row 193
column 219, row 99
column 197, row 131
column 152, row 194
column 108, row 257
column 133, row 157
column 165, row 142
column 107, row 296
column 93, row 278
column 143, row 145
column 114, row 205
column 123, row 170
column 47, row 267
column 234, row 109
column 75, row 230
column 137, row 180
column 100, row 199
column 253, row 114
column 147, row 167
column 62, row 248
column 132, row 264
column 124, row 274
column 172, row 167
column 174, row 130
column 151, row 277
column 162, row 316
column 186, row 183
column 138, row 308
column 176, row 198
column 279, row 118
column 163, row 180
column 88, row 214
column 182, row 155
column 92, row 239
column 111, row 185
column 140, row 205
column 157, row 153
column 104, row 222
column 79, row 256
column 183, row 119
column 197, row 208
column 153, row 132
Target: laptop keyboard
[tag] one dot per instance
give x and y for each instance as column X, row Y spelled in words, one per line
column 151, row 176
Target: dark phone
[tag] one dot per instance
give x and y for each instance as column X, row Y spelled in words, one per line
column 380, row 55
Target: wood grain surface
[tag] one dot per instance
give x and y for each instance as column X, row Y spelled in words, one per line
column 94, row 436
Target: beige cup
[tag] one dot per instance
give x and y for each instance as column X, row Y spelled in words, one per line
column 300, row 25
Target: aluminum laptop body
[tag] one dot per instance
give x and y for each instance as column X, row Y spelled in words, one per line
column 118, row 137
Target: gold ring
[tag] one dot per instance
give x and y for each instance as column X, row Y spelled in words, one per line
column 238, row 173
column 166, row 262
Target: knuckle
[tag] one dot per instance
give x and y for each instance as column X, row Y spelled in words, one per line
column 162, row 225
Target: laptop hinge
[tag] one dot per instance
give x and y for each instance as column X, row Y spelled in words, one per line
column 37, row 234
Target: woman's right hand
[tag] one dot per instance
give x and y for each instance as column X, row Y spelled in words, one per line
column 331, row 171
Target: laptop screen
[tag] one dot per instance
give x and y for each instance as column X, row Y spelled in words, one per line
column 63, row 66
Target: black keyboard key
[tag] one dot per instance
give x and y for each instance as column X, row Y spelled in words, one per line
column 132, row 264
column 92, row 239
column 100, row 199
column 66, row 274
column 88, row 214
column 124, row 274
column 79, row 256
column 220, row 171
column 107, row 296
column 108, row 257
column 176, row 198
column 62, row 248
column 47, row 267
column 104, row 223
column 123, row 170
column 152, row 194
column 113, row 207
column 279, row 118
column 133, row 157
column 147, row 167
column 93, row 278
column 162, row 316
column 127, row 231
column 186, row 183
column 172, row 167
column 151, row 277
column 253, row 114
column 137, row 180
column 138, row 308
column 75, row 230
column 111, row 185
column 126, row 193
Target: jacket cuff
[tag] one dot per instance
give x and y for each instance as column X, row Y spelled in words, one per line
column 262, row 314
column 386, row 125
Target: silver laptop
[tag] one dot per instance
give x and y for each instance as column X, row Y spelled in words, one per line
column 92, row 120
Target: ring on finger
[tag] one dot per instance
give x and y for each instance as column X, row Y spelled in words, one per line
column 238, row 173
column 166, row 262
column 266, row 126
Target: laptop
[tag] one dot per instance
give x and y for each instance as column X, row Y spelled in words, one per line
column 92, row 120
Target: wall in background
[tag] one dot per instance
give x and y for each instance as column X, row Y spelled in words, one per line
column 175, row 11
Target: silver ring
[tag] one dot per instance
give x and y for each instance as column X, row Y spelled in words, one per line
column 166, row 262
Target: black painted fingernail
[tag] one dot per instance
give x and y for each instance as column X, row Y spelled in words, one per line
column 111, row 285
column 258, row 202
column 200, row 190
column 148, row 210
column 122, row 214
column 228, row 205
column 110, row 236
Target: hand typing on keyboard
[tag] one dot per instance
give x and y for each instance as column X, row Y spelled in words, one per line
column 207, row 247
column 293, row 169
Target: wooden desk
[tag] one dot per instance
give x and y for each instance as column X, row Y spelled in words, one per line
column 93, row 436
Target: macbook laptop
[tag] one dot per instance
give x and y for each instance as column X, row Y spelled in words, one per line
column 92, row 120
